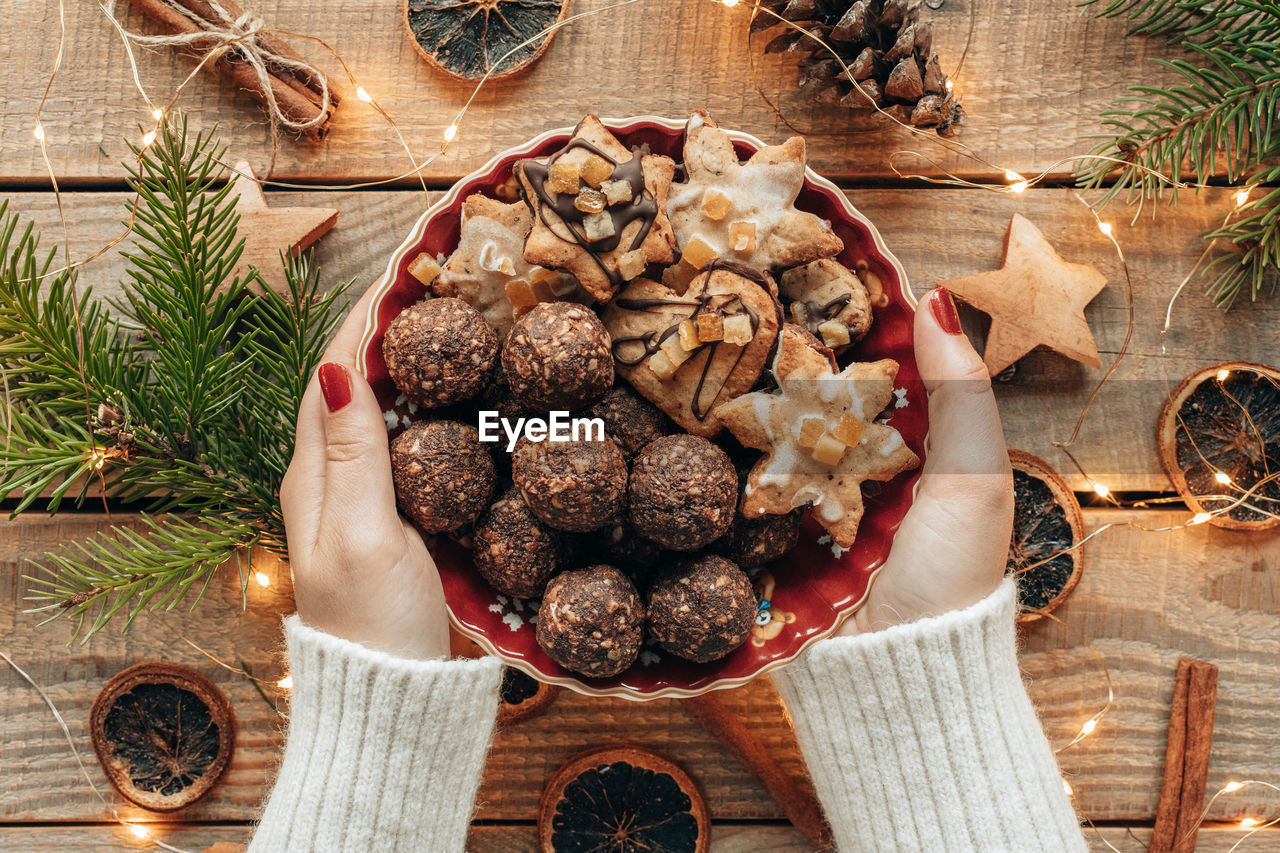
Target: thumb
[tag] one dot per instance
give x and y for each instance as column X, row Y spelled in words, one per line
column 963, row 513
column 357, row 470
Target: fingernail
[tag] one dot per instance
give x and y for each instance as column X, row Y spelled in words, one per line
column 944, row 311
column 335, row 385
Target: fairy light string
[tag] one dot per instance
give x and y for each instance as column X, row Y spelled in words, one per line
column 1015, row 184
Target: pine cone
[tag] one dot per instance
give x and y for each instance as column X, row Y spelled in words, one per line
column 888, row 50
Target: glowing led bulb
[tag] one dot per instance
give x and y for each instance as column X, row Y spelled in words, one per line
column 38, row 132
column 1249, row 822
column 1232, row 787
column 363, row 95
column 285, row 683
column 1088, row 727
column 950, row 85
column 1223, row 374
column 1066, row 786
column 138, row 830
column 730, row 3
column 1222, row 477
column 1201, row 517
column 148, row 138
column 1010, row 175
column 1020, row 186
column 262, row 579
column 1241, row 198
column 157, row 114
column 450, row 132
column 1101, row 489
column 1105, row 228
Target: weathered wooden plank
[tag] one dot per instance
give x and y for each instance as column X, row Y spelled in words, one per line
column 523, row 838
column 1145, row 599
column 1030, row 99
column 937, row 234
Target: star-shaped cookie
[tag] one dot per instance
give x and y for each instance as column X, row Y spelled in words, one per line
column 488, row 269
column 819, row 437
column 1034, row 298
column 600, row 211
column 745, row 211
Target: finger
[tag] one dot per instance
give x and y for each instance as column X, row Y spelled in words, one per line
column 344, row 348
column 302, row 490
column 358, row 493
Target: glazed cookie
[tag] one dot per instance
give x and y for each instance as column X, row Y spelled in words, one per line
column 687, row 353
column 488, row 270
column 600, row 211
column 828, row 300
column 819, row 437
column 744, row 211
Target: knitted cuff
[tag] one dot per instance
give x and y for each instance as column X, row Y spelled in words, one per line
column 922, row 737
column 384, row 753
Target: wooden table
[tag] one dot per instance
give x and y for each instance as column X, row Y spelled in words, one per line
column 1036, row 76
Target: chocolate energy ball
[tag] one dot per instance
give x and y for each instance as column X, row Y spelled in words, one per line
column 443, row 475
column 592, row 621
column 623, row 547
column 702, row 609
column 756, row 541
column 514, row 552
column 630, row 420
column 558, row 356
column 683, row 492
column 440, row 352
column 571, row 485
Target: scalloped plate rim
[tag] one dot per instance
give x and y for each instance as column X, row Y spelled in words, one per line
column 384, row 284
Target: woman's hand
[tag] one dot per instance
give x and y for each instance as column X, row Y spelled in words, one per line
column 360, row 571
column 951, row 549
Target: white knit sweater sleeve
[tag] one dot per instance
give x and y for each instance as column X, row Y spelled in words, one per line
column 384, row 753
column 922, row 737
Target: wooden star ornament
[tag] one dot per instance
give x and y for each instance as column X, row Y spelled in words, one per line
column 270, row 231
column 1034, row 299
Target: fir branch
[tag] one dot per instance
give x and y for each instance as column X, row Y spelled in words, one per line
column 124, row 569
column 1208, row 24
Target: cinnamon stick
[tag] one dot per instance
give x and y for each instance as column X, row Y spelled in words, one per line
column 803, row 812
column 296, row 94
column 1186, row 767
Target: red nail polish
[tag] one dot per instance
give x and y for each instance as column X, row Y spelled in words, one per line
column 335, row 385
column 944, row 311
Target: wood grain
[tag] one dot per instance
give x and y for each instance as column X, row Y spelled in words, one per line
column 750, row 838
column 937, row 234
column 1146, row 599
column 1029, row 98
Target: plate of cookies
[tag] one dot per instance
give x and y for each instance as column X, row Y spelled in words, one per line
column 652, row 402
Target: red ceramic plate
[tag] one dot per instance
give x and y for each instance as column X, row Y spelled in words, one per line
column 806, row 595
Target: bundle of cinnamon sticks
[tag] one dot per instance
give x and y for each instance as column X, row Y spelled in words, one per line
column 1186, row 762
column 297, row 93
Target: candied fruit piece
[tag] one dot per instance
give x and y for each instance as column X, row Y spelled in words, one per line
column 662, row 367
column 598, row 226
column 562, row 178
column 678, row 276
column 737, row 330
column 631, row 264
column 800, row 313
column 424, row 268
column 715, row 204
column 710, row 328
column 811, row 429
column 828, row 450
column 834, row 333
column 742, row 237
column 520, row 294
column 848, row 430
column 595, row 170
column 542, row 291
column 697, row 253
column 589, row 200
column 617, row 192
column 689, row 335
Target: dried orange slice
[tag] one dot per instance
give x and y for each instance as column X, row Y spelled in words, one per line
column 468, row 38
column 1047, row 523
column 1219, row 441
column 163, row 733
column 623, row 800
